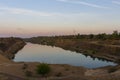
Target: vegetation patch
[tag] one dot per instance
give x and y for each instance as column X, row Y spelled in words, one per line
column 43, row 69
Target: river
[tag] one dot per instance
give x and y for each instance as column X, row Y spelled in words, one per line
column 55, row 55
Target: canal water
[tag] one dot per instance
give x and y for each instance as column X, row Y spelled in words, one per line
column 55, row 55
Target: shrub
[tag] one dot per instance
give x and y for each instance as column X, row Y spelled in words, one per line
column 43, row 69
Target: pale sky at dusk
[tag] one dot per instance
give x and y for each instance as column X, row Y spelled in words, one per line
column 27, row 18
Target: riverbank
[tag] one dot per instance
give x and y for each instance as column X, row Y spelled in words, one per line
column 27, row 71
column 4, row 60
column 10, row 70
column 10, row 46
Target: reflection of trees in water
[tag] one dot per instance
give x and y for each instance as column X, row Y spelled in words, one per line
column 100, row 59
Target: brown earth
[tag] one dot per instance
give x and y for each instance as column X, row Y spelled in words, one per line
column 10, row 46
column 16, row 71
column 10, row 70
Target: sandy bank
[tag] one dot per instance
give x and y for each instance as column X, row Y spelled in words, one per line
column 4, row 60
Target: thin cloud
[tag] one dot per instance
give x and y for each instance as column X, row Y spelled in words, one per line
column 21, row 11
column 116, row 2
column 84, row 3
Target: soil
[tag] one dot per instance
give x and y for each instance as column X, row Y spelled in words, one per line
column 10, row 70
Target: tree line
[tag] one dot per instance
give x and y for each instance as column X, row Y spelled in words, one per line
column 102, row 36
column 115, row 35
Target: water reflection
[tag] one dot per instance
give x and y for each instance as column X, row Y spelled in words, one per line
column 54, row 55
column 100, row 59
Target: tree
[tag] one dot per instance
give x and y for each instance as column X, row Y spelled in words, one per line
column 102, row 36
column 91, row 36
column 115, row 34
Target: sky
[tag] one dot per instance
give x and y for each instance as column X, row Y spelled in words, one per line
column 28, row 18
